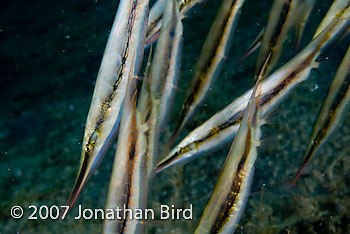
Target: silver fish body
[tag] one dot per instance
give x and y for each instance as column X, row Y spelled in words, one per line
column 128, row 187
column 227, row 202
column 136, row 150
column 284, row 15
column 337, row 8
column 223, row 126
column 165, row 67
column 331, row 112
column 126, row 38
column 161, row 78
column 211, row 59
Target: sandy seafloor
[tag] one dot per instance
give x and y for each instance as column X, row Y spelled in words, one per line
column 50, row 52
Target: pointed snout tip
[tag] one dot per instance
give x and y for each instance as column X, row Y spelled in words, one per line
column 158, row 169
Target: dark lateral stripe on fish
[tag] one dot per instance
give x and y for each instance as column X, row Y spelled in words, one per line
column 106, row 104
column 214, row 49
column 230, row 201
column 328, row 16
column 89, row 147
column 345, row 8
column 131, row 143
column 281, row 22
column 130, row 170
column 128, row 184
column 191, row 146
column 155, row 22
column 238, row 117
column 198, row 83
column 330, row 113
column 331, row 116
column 233, row 121
column 265, row 99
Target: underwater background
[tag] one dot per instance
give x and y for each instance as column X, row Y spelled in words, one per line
column 50, row 52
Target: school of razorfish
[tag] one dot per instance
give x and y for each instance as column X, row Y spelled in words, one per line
column 136, row 107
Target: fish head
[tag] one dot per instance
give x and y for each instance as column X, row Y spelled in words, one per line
column 94, row 148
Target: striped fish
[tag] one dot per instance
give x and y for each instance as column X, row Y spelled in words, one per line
column 128, row 186
column 338, row 8
column 158, row 88
column 126, row 38
column 331, row 112
column 284, row 15
column 211, row 59
column 223, row 126
column 227, row 202
column 165, row 67
column 136, row 150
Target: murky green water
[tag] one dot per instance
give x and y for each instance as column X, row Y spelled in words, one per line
column 50, row 52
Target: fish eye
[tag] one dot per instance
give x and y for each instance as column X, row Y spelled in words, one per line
column 88, row 148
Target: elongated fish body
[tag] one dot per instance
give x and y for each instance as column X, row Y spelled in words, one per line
column 223, row 126
column 155, row 21
column 165, row 68
column 331, row 111
column 227, row 202
column 338, row 8
column 152, row 137
column 211, row 59
column 126, row 38
column 284, row 15
column 156, row 16
column 158, row 88
column 148, row 109
column 140, row 176
column 304, row 12
column 150, row 118
column 127, row 187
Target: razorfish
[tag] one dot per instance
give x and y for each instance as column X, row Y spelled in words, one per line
column 148, row 109
column 227, row 202
column 137, row 149
column 211, row 59
column 223, row 126
column 156, row 16
column 165, row 67
column 126, row 38
column 332, row 109
column 128, row 187
column 338, row 8
column 161, row 78
column 284, row 15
